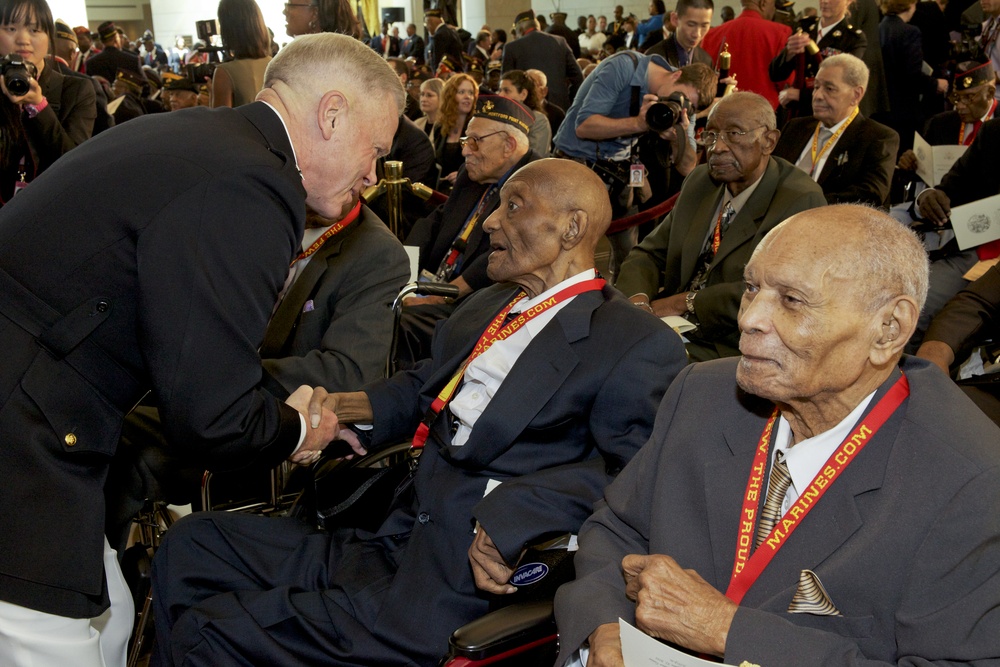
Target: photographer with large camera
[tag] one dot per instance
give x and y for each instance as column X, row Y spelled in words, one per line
column 627, row 96
column 43, row 114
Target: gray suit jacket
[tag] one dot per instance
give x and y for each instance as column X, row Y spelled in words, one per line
column 667, row 259
column 906, row 541
column 334, row 326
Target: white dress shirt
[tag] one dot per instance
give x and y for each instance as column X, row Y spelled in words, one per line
column 486, row 373
column 826, row 154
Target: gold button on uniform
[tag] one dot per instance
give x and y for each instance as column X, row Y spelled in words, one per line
column 70, row 439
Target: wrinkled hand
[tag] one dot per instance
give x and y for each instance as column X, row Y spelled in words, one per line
column 320, row 405
column 430, row 300
column 907, row 161
column 788, row 95
column 451, row 177
column 488, row 567
column 318, row 433
column 677, row 605
column 606, row 647
column 934, row 205
column 938, row 353
column 671, row 305
column 942, row 86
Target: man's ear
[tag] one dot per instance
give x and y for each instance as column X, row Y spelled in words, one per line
column 896, row 323
column 332, row 109
column 576, row 229
column 769, row 140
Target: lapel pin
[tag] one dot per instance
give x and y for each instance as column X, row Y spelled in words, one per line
column 841, row 159
column 309, row 307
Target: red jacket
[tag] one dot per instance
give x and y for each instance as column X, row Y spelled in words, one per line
column 753, row 42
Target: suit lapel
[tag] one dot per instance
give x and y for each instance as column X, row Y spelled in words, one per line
column 538, row 373
column 833, row 520
column 695, row 234
column 850, row 137
column 744, row 227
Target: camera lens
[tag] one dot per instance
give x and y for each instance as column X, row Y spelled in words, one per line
column 662, row 116
column 17, row 81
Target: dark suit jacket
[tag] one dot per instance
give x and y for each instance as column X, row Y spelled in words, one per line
column 413, row 47
column 975, row 175
column 169, row 291
column 844, row 38
column 900, row 540
column 943, row 128
column 550, row 54
column 972, row 316
column 435, row 233
column 573, row 409
column 903, row 56
column 860, row 166
column 668, row 49
column 110, row 60
column 667, row 259
column 865, row 16
column 444, row 42
column 333, row 327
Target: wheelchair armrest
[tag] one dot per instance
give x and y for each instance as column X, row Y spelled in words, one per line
column 503, row 630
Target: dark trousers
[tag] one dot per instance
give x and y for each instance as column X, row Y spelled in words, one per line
column 234, row 589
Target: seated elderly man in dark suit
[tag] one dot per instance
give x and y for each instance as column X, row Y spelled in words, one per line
column 453, row 247
column 850, row 156
column 545, row 383
column 877, row 538
column 691, row 264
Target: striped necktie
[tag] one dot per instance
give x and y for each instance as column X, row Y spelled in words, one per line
column 777, row 487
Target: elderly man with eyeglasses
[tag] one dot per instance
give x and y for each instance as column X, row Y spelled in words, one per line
column 691, row 265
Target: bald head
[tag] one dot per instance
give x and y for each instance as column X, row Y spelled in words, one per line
column 569, row 186
column 551, row 216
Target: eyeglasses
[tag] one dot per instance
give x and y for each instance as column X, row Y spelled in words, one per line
column 731, row 137
column 289, row 5
column 473, row 142
column 965, row 98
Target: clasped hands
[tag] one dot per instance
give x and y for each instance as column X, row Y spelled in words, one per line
column 672, row 604
column 320, row 410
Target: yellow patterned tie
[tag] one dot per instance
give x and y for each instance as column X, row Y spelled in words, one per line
column 777, row 487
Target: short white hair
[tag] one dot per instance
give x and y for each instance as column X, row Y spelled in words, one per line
column 855, row 70
column 310, row 62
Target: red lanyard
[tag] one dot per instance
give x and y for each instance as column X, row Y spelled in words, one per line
column 747, row 568
column 497, row 331
column 335, row 228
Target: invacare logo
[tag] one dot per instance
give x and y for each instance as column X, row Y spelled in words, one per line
column 529, row 573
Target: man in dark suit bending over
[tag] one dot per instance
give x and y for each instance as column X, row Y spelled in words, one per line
column 168, row 291
column 841, row 504
column 560, row 400
column 850, row 156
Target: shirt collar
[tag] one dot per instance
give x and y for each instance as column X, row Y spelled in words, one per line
column 822, row 32
column 287, row 133
column 836, row 128
column 740, row 200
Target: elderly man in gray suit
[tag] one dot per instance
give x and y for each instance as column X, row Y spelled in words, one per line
column 841, row 505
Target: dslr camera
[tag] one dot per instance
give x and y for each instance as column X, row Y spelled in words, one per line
column 17, row 73
column 666, row 112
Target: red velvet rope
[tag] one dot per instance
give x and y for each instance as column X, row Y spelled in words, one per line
column 621, row 224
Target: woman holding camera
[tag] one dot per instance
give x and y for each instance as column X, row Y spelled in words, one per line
column 236, row 81
column 43, row 113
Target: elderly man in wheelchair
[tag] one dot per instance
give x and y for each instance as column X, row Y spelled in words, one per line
column 538, row 391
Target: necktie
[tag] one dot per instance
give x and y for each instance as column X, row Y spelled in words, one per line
column 805, row 162
column 722, row 225
column 777, row 487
